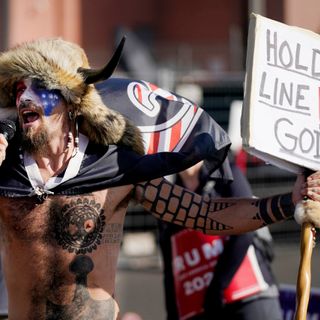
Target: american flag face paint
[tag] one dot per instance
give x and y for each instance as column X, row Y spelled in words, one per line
column 33, row 91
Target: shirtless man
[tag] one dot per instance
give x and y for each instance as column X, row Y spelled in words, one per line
column 60, row 248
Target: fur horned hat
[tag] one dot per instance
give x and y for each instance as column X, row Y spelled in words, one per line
column 64, row 66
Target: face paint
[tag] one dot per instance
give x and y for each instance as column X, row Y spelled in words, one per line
column 49, row 98
column 36, row 92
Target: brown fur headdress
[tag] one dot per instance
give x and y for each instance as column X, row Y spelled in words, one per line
column 64, row 66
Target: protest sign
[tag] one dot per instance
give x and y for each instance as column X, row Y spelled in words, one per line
column 280, row 120
column 194, row 258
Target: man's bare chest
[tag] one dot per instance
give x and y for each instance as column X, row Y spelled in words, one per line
column 63, row 252
column 77, row 224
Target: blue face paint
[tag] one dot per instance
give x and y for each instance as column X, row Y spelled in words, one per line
column 48, row 98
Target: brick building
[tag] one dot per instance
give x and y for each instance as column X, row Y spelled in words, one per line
column 204, row 38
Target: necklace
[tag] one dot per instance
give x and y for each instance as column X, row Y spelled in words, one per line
column 41, row 189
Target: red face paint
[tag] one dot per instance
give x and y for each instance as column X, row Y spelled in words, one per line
column 35, row 92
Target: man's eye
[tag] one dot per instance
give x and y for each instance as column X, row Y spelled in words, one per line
column 20, row 89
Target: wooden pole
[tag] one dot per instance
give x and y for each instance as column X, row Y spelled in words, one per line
column 304, row 275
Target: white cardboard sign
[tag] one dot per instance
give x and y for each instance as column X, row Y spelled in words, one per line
column 281, row 112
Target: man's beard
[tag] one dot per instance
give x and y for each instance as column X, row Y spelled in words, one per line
column 35, row 142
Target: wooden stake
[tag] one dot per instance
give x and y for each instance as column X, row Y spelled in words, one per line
column 304, row 275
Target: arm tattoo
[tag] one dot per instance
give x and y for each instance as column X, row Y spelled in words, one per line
column 180, row 206
column 274, row 209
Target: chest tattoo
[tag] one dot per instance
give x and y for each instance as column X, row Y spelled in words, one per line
column 112, row 233
column 82, row 306
column 78, row 225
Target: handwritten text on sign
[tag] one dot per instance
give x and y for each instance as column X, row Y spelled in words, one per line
column 285, row 96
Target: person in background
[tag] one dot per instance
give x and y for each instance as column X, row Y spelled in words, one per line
column 234, row 282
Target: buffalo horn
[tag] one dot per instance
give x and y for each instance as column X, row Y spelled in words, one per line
column 92, row 75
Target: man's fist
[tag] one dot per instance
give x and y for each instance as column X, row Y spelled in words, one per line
column 3, row 147
column 308, row 211
column 308, row 206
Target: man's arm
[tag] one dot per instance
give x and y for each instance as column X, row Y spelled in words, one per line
column 178, row 205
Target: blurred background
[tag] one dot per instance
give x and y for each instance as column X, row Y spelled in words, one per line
column 196, row 48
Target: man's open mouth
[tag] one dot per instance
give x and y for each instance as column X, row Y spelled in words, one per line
column 29, row 116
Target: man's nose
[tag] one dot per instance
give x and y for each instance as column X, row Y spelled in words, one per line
column 28, row 95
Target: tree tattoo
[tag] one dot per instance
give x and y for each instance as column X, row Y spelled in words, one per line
column 79, row 225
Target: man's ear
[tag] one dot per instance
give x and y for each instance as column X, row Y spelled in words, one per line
column 71, row 114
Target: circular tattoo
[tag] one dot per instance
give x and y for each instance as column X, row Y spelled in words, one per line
column 79, row 226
